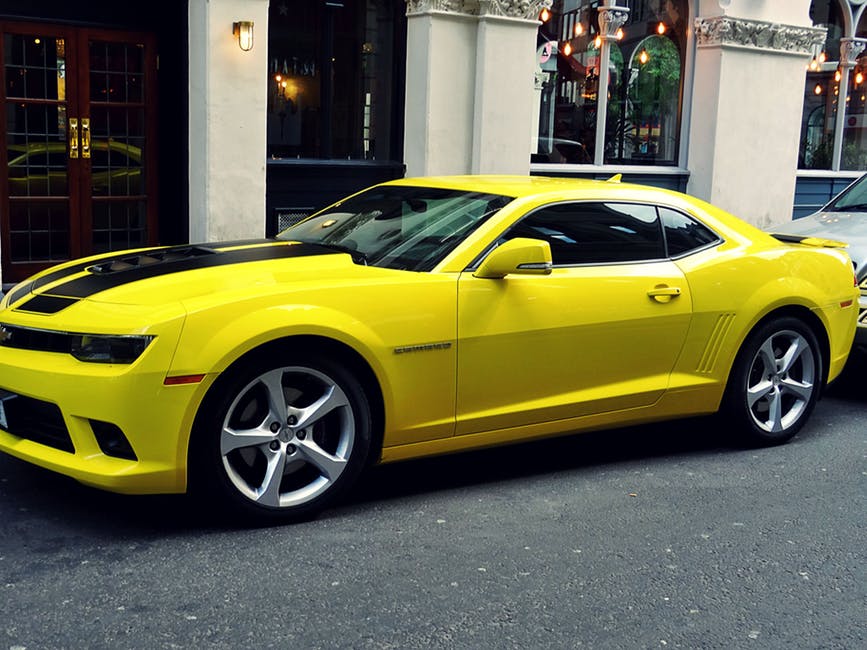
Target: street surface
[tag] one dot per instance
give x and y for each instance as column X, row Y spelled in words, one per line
column 651, row 537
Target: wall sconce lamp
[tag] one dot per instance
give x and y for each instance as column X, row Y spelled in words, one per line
column 243, row 31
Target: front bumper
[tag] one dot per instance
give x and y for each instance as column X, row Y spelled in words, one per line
column 64, row 405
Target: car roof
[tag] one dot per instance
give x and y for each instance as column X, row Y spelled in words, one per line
column 515, row 186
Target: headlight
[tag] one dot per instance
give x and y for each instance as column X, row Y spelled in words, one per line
column 97, row 348
column 92, row 348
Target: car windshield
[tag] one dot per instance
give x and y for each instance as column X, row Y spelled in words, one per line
column 854, row 199
column 398, row 227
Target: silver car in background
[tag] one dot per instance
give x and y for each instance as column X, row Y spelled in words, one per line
column 843, row 219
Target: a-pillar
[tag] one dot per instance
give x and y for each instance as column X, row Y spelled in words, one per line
column 227, row 148
column 748, row 97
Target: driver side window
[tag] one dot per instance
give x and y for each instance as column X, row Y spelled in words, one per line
column 595, row 233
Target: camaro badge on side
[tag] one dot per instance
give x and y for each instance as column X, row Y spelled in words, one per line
column 424, row 347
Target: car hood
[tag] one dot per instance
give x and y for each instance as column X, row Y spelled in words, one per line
column 848, row 227
column 184, row 273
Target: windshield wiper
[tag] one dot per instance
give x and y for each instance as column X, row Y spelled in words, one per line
column 855, row 207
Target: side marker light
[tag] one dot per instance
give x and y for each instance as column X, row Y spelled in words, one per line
column 183, row 379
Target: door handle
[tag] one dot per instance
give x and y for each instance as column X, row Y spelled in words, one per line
column 73, row 137
column 663, row 293
column 85, row 137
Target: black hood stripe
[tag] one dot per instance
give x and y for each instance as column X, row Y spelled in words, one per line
column 75, row 269
column 109, row 273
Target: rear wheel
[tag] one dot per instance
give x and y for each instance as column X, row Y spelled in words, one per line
column 775, row 382
column 280, row 439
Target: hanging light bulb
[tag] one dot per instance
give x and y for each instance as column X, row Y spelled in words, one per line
column 814, row 65
column 660, row 28
column 579, row 29
column 598, row 42
column 545, row 15
column 859, row 78
column 643, row 57
column 837, row 75
column 619, row 34
column 822, row 57
column 567, row 49
column 818, row 89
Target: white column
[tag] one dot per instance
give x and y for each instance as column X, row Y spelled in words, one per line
column 504, row 88
column 470, row 74
column 440, row 78
column 227, row 146
column 746, row 107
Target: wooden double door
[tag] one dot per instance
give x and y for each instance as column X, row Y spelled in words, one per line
column 78, row 144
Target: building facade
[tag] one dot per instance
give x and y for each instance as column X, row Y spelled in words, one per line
column 202, row 120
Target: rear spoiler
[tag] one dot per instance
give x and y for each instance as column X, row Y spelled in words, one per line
column 816, row 242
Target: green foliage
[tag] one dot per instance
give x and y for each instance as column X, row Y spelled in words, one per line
column 655, row 84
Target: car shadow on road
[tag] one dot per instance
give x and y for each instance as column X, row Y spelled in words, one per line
column 513, row 462
column 27, row 489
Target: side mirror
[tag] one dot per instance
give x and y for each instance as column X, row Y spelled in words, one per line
column 521, row 256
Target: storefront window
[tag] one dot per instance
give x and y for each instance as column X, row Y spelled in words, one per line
column 332, row 78
column 645, row 81
column 825, row 144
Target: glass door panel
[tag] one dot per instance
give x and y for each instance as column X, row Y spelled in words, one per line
column 37, row 156
column 118, row 120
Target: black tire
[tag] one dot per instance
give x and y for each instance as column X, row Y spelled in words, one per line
column 774, row 383
column 279, row 452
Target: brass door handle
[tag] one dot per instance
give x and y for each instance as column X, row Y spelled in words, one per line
column 85, row 137
column 73, row 137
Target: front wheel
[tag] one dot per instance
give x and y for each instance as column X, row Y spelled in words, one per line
column 775, row 382
column 279, row 440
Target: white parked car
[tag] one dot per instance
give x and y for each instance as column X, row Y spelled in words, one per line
column 844, row 219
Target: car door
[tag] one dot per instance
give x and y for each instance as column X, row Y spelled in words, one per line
column 600, row 333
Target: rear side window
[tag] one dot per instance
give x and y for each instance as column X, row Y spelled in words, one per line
column 684, row 234
column 595, row 233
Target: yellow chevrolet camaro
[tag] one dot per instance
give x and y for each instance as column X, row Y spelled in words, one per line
column 418, row 317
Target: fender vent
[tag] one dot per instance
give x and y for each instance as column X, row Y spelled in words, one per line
column 714, row 344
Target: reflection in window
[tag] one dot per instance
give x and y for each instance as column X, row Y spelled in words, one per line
column 331, row 78
column 645, row 77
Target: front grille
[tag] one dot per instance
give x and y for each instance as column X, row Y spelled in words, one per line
column 34, row 420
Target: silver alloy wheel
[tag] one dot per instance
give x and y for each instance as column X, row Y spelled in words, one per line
column 781, row 381
column 287, row 436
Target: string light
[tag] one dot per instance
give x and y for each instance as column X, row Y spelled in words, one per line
column 579, row 29
column 567, row 49
column 859, row 78
column 598, row 42
column 619, row 35
column 660, row 28
column 643, row 57
column 545, row 16
column 837, row 75
column 818, row 89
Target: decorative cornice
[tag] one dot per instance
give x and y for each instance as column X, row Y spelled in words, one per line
column 423, row 6
column 756, row 34
column 525, row 9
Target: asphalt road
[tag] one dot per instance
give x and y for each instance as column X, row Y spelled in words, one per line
column 652, row 537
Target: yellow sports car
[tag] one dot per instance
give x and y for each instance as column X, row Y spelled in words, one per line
column 418, row 317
